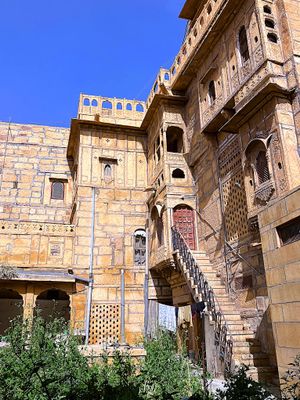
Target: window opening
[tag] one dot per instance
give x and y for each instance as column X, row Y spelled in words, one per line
column 95, row 103
column 243, row 45
column 86, row 102
column 57, row 190
column 160, row 231
column 212, row 92
column 107, row 105
column 107, row 171
column 272, row 37
column 178, row 174
column 267, row 10
column 119, row 106
column 139, row 247
column 174, row 140
column 269, row 23
column 289, row 232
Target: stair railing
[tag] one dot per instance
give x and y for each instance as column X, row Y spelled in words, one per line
column 223, row 338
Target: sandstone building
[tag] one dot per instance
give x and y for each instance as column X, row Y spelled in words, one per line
column 192, row 197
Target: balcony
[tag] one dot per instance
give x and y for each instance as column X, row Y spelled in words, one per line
column 111, row 110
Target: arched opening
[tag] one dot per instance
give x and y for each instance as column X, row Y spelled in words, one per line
column 139, row 247
column 129, row 107
column 262, row 167
column 167, row 76
column 86, row 102
column 139, row 108
column 267, row 10
column 95, row 103
column 243, row 45
column 119, row 106
column 107, row 171
column 212, row 92
column 183, row 220
column 57, row 190
column 11, row 307
column 107, row 105
column 174, row 139
column 178, row 174
column 53, row 303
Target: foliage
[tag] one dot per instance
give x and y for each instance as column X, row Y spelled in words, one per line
column 7, row 272
column 41, row 362
column 165, row 374
column 240, row 386
column 291, row 379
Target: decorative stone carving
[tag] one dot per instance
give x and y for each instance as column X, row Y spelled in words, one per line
column 34, row 228
column 264, row 192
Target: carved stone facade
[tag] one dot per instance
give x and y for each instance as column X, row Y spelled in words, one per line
column 196, row 167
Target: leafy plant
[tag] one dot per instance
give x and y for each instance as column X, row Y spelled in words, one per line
column 165, row 374
column 291, row 381
column 242, row 387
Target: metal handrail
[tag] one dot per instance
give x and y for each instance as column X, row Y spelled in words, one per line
column 223, row 337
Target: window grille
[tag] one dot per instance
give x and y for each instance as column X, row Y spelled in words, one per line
column 57, row 190
column 289, row 232
column 262, row 168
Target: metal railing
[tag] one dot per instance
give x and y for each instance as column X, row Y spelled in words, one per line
column 223, row 338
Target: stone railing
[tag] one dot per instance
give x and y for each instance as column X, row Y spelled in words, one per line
column 163, row 77
column 103, row 108
column 36, row 228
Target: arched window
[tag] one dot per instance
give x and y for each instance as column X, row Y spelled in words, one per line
column 86, row 102
column 129, row 107
column 174, row 139
column 119, row 106
column 95, row 103
column 262, row 168
column 57, row 190
column 139, row 247
column 167, row 76
column 243, row 45
column 178, row 174
column 107, row 171
column 139, row 108
column 212, row 92
column 107, row 105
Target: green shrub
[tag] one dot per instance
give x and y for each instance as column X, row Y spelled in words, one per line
column 241, row 387
column 165, row 374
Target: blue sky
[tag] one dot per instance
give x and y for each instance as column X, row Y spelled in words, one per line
column 52, row 50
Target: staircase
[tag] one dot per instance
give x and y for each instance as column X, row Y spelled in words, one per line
column 235, row 342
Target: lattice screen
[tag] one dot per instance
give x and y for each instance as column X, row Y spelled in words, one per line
column 230, row 158
column 234, row 195
column 105, row 324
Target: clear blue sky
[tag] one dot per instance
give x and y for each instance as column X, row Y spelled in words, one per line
column 51, row 50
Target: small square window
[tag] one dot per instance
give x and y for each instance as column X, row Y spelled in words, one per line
column 289, row 232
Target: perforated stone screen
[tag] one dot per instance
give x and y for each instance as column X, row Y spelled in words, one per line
column 235, row 205
column 105, row 324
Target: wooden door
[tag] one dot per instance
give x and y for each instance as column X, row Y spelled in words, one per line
column 183, row 219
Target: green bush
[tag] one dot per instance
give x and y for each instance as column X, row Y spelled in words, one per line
column 241, row 387
column 165, row 374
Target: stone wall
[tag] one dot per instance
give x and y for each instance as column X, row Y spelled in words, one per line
column 283, row 277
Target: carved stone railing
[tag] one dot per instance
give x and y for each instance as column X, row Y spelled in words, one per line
column 223, row 339
column 36, row 228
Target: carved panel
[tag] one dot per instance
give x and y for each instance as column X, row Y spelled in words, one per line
column 34, row 228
